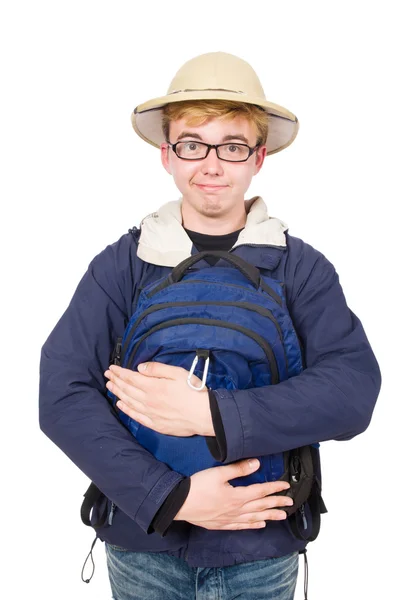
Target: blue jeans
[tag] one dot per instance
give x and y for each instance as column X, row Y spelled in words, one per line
column 159, row 576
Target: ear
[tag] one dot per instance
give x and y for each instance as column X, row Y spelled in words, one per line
column 165, row 150
column 259, row 158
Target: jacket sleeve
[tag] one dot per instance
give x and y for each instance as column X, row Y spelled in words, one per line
column 334, row 397
column 73, row 409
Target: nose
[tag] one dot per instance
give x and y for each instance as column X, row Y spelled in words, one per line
column 212, row 165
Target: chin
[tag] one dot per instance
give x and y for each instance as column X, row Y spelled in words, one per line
column 213, row 201
column 209, row 205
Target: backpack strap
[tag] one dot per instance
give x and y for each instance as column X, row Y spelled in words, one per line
column 247, row 269
column 92, row 495
column 317, row 508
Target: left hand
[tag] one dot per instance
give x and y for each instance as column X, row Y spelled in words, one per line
column 159, row 397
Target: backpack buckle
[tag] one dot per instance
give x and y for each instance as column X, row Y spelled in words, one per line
column 200, row 354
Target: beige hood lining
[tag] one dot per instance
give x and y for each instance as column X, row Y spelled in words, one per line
column 164, row 242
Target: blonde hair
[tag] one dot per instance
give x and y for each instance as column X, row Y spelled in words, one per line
column 199, row 112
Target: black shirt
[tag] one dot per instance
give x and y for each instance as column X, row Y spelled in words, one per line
column 217, row 445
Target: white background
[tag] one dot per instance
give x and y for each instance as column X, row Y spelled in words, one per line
column 75, row 177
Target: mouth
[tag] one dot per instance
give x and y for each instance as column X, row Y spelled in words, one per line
column 211, row 188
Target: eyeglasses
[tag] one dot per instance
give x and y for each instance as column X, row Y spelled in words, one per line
column 191, row 150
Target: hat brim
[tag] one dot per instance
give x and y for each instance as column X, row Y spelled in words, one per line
column 283, row 125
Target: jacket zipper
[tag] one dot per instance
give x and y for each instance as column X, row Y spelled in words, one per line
column 215, row 323
column 246, row 305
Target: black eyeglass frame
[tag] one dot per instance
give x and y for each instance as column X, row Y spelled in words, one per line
column 216, row 146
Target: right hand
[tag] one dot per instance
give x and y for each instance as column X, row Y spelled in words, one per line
column 213, row 503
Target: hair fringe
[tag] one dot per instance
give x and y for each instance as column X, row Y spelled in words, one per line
column 199, row 112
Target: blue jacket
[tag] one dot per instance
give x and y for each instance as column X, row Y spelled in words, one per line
column 333, row 398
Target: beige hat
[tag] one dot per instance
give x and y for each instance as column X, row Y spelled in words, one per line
column 216, row 76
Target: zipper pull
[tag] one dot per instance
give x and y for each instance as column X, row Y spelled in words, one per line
column 295, row 469
column 111, row 514
column 117, row 352
column 302, row 511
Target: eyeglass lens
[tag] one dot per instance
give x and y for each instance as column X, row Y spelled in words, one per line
column 196, row 150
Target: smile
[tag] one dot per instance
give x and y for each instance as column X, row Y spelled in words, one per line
column 211, row 188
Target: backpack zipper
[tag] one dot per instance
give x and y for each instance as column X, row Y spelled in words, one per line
column 111, row 514
column 244, row 305
column 264, row 287
column 302, row 511
column 215, row 323
column 295, row 469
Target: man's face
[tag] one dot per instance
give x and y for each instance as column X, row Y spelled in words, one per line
column 212, row 187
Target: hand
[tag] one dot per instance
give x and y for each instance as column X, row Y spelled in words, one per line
column 159, row 397
column 213, row 503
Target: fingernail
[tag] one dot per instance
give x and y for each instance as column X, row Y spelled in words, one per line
column 254, row 463
column 142, row 367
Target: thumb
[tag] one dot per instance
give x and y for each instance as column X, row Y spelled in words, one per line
column 240, row 468
column 157, row 369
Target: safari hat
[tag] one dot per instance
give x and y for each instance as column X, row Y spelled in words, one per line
column 216, row 76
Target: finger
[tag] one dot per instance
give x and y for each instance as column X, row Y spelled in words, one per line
column 255, row 517
column 126, row 398
column 272, row 515
column 239, row 526
column 119, row 374
column 127, row 389
column 266, row 515
column 137, row 416
column 266, row 503
column 260, row 490
column 238, row 469
column 194, row 380
column 161, row 370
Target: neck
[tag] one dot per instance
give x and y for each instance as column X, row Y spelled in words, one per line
column 212, row 224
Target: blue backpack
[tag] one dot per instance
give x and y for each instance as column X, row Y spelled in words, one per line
column 229, row 326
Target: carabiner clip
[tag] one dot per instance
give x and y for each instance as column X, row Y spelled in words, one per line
column 191, row 372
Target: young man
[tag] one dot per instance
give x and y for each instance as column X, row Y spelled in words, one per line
column 169, row 536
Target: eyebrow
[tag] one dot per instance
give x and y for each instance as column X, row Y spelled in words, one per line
column 227, row 138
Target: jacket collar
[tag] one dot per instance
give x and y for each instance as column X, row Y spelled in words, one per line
column 164, row 241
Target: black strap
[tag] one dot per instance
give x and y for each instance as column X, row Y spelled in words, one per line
column 92, row 495
column 294, row 527
column 93, row 564
column 250, row 271
column 314, row 504
column 306, row 580
column 317, row 508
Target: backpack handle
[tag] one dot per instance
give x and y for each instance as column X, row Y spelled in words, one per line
column 250, row 271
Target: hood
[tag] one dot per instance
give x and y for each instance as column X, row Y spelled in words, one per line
column 164, row 241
